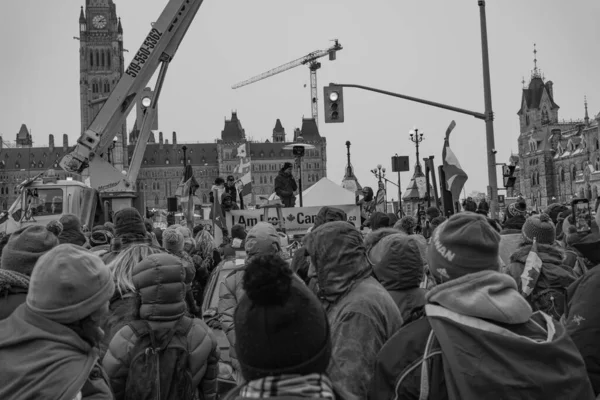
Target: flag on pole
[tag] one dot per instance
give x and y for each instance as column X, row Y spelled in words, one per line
column 455, row 175
column 380, row 201
column 243, row 172
column 219, row 223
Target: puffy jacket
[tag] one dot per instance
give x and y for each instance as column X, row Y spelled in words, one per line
column 42, row 359
column 484, row 313
column 160, row 282
column 13, row 291
column 582, row 320
column 361, row 313
column 230, row 292
column 285, row 186
column 398, row 266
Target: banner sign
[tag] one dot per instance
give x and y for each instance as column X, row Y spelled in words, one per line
column 296, row 218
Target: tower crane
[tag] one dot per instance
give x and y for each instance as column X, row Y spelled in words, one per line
column 313, row 65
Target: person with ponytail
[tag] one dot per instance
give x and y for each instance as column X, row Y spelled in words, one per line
column 283, row 337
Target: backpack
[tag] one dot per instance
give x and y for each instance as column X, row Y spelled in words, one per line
column 552, row 301
column 159, row 368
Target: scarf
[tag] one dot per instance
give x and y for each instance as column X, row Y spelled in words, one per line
column 10, row 279
column 310, row 386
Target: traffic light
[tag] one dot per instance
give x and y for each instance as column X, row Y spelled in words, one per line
column 334, row 103
column 508, row 172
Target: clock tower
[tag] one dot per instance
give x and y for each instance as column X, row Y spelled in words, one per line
column 101, row 63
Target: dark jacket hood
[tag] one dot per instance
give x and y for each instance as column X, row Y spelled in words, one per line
column 375, row 236
column 338, row 255
column 379, row 220
column 401, row 265
column 329, row 214
column 549, row 254
column 515, row 222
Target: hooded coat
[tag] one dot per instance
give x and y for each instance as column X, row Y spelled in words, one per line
column 379, row 220
column 361, row 313
column 285, row 186
column 42, row 359
column 483, row 330
column 398, row 266
column 13, row 291
column 582, row 320
column 514, row 224
column 162, row 304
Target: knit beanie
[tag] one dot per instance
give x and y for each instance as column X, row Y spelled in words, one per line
column 68, row 284
column 406, row 224
column 433, row 212
column 188, row 241
column 129, row 220
column 100, row 237
column 553, row 211
column 26, row 246
column 540, row 228
column 379, row 220
column 287, row 165
column 464, row 244
column 281, row 327
column 110, row 226
column 172, row 240
column 70, row 222
column 262, row 239
column 238, row 232
column 517, row 208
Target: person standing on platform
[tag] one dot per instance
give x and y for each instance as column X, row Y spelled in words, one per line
column 285, row 185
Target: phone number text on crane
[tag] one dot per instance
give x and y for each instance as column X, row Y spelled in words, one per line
column 143, row 53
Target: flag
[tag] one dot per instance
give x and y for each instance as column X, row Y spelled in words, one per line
column 531, row 272
column 219, row 223
column 455, row 176
column 243, row 171
column 380, row 201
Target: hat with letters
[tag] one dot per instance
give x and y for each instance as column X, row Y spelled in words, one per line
column 464, row 244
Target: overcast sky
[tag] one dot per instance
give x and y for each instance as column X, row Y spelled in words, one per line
column 429, row 49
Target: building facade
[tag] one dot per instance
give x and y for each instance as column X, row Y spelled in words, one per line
column 101, row 67
column 557, row 160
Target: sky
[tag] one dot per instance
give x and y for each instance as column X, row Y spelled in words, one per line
column 428, row 49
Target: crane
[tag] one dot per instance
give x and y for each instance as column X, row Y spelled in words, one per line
column 313, row 65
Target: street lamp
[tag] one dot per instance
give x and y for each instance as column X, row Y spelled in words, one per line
column 417, row 138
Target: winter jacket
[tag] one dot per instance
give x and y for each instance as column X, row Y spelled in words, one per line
column 554, row 274
column 122, row 311
column 13, row 291
column 163, row 301
column 367, row 206
column 582, row 320
column 285, row 186
column 513, row 225
column 486, row 329
column 361, row 313
column 225, row 208
column 230, row 293
column 379, row 220
column 231, row 191
column 398, row 266
column 42, row 359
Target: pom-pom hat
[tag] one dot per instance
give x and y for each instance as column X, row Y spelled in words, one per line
column 280, row 325
column 27, row 245
column 540, row 228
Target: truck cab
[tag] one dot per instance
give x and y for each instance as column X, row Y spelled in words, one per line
column 46, row 199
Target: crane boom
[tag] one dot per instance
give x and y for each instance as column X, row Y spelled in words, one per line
column 307, row 59
column 159, row 47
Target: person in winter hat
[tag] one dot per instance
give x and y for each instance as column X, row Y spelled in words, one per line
column 361, row 313
column 50, row 340
column 367, row 205
column 188, row 240
column 262, row 239
column 19, row 256
column 283, row 336
column 100, row 240
column 129, row 230
column 476, row 307
column 469, row 205
column 483, row 207
column 515, row 216
column 160, row 290
column 285, row 185
column 238, row 237
column 406, row 224
column 553, row 210
column 399, row 267
column 379, row 220
column 72, row 231
column 553, row 277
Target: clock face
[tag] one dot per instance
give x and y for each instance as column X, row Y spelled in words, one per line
column 99, row 21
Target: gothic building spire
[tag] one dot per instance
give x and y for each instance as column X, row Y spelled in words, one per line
column 82, row 16
column 536, row 72
column 587, row 117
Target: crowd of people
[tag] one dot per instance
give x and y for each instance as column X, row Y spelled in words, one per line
column 463, row 307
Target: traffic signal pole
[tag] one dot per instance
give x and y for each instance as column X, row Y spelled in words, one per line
column 487, row 116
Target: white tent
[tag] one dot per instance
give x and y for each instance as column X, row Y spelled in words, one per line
column 323, row 193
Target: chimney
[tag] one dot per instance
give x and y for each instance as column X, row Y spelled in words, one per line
column 166, row 141
column 65, row 142
column 160, row 140
column 175, row 138
column 1, row 143
column 550, row 87
column 51, row 143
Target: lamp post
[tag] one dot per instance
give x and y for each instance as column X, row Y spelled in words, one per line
column 417, row 138
column 379, row 173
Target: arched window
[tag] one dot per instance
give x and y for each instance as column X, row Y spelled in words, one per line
column 537, row 177
column 103, row 59
column 271, row 179
column 91, row 58
column 597, row 144
column 527, row 119
column 595, row 192
column 597, row 164
column 106, row 87
column 573, row 173
column 157, row 185
column 97, row 58
column 108, row 58
column 562, row 175
column 155, row 200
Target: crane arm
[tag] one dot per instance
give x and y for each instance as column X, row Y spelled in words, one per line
column 310, row 57
column 160, row 46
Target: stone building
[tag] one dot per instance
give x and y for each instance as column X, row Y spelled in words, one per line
column 101, row 66
column 557, row 160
